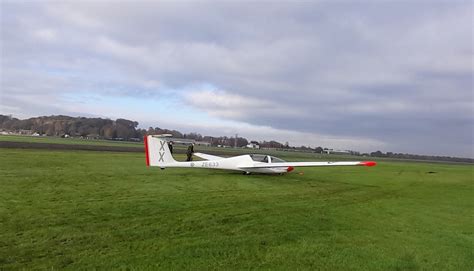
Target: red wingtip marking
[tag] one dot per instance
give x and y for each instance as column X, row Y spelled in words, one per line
column 145, row 139
column 368, row 163
column 289, row 169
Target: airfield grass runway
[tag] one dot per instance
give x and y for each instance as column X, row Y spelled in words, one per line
column 106, row 210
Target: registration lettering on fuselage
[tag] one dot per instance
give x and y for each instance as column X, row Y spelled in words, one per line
column 210, row 164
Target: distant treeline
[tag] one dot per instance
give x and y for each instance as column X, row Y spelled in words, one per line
column 123, row 129
column 72, row 126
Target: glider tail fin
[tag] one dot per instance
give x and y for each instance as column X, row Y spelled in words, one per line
column 157, row 152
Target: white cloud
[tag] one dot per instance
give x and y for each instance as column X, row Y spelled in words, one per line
column 47, row 35
column 223, row 104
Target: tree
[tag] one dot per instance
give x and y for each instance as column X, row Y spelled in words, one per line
column 377, row 154
column 318, row 150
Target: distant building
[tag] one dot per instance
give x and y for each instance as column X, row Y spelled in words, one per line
column 332, row 151
column 25, row 132
column 96, row 136
column 253, row 145
column 202, row 143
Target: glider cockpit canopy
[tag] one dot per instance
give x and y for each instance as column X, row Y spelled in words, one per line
column 266, row 158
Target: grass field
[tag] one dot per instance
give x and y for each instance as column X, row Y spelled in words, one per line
column 105, row 210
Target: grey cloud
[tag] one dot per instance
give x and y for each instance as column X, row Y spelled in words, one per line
column 396, row 72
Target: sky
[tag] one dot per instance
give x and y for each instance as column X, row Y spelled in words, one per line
column 361, row 75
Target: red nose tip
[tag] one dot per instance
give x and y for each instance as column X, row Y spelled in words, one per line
column 368, row 163
column 289, row 169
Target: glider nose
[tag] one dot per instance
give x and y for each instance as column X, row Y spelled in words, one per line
column 289, row 169
column 368, row 163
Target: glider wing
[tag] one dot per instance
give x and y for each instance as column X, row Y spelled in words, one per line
column 311, row 164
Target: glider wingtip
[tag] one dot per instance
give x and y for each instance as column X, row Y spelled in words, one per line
column 368, row 163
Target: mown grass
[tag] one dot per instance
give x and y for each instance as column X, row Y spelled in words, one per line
column 103, row 210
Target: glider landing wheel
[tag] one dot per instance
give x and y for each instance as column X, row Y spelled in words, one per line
column 246, row 173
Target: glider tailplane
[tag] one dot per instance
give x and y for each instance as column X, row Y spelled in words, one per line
column 157, row 152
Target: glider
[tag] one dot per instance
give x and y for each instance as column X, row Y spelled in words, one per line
column 158, row 155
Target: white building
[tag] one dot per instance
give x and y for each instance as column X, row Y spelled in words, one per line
column 329, row 151
column 253, row 145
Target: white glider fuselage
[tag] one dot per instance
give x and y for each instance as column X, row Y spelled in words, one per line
column 158, row 154
column 240, row 163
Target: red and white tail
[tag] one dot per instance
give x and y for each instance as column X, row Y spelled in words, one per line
column 157, row 152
